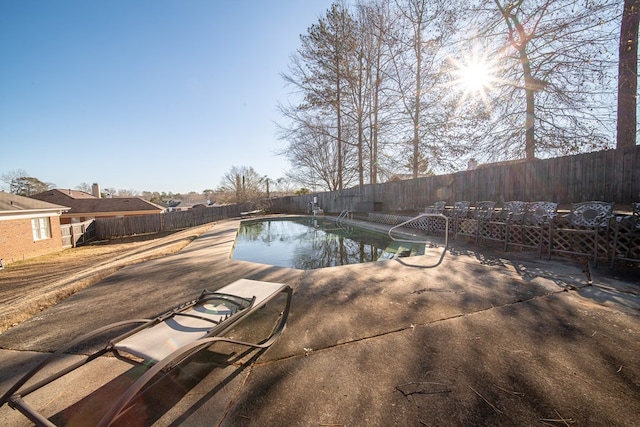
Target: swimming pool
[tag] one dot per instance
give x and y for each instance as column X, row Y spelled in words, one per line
column 308, row 243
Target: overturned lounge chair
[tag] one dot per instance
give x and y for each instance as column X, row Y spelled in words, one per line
column 249, row 214
column 163, row 342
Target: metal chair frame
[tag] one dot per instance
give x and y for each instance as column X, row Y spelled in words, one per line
column 471, row 226
column 626, row 238
column 206, row 325
column 497, row 229
column 437, row 208
column 533, row 230
column 459, row 212
column 578, row 233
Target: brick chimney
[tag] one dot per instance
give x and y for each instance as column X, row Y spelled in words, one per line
column 95, row 190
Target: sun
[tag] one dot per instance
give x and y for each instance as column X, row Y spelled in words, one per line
column 474, row 76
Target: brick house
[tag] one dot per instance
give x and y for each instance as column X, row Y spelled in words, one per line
column 28, row 227
column 84, row 206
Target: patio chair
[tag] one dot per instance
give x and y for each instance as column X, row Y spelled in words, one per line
column 249, row 214
column 626, row 237
column 162, row 343
column 533, row 230
column 578, row 233
column 434, row 224
column 459, row 212
column 437, row 208
column 496, row 229
column 471, row 226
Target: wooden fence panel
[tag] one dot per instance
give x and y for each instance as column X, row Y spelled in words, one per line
column 78, row 233
column 630, row 164
column 112, row 228
column 65, row 230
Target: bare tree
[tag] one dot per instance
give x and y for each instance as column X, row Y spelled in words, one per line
column 21, row 183
column 241, row 184
column 110, row 192
column 352, row 75
column 319, row 71
column 357, row 92
column 373, row 21
column 311, row 151
column 282, row 187
column 378, row 93
column 83, row 186
column 128, row 193
column 556, row 55
column 417, row 43
column 9, row 177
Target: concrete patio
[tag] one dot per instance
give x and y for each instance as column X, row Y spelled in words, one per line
column 484, row 338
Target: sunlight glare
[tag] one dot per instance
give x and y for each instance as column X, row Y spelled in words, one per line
column 474, row 76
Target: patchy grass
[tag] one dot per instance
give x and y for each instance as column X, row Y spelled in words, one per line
column 28, row 287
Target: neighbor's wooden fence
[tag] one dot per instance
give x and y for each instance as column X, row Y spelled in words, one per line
column 110, row 228
column 610, row 175
column 77, row 234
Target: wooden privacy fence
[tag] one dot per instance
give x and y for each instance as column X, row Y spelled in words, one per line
column 77, row 234
column 609, row 175
column 110, row 228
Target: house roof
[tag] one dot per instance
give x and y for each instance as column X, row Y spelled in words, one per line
column 81, row 202
column 404, row 176
column 73, row 194
column 12, row 204
column 190, row 205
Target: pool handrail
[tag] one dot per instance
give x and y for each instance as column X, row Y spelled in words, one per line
column 446, row 232
column 342, row 216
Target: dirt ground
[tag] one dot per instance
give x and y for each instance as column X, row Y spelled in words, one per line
column 27, row 287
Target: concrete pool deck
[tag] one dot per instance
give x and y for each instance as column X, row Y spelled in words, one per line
column 484, row 338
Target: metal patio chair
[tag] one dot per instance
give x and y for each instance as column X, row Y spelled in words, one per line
column 162, row 343
column 626, row 237
column 458, row 214
column 471, row 226
column 533, row 230
column 433, row 223
column 497, row 228
column 578, row 233
column 437, row 208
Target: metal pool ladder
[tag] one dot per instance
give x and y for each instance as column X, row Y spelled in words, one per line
column 342, row 216
column 417, row 218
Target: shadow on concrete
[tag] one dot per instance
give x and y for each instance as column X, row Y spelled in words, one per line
column 161, row 395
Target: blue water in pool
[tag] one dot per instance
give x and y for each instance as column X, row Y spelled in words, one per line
column 309, row 243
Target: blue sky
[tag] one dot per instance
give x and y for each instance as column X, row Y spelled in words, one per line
column 145, row 95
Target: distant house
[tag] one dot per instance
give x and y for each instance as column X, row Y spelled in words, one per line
column 502, row 163
column 28, row 227
column 181, row 206
column 404, row 176
column 84, row 206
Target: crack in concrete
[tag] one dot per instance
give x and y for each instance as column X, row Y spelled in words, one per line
column 308, row 351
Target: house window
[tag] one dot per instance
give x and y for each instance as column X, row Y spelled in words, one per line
column 41, row 228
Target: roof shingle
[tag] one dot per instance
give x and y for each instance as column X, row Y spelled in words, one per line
column 81, row 202
column 10, row 202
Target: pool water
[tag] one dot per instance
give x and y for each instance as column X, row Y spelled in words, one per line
column 308, row 243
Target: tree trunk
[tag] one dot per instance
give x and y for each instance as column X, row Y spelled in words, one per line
column 339, row 124
column 416, row 113
column 360, row 115
column 374, row 138
column 530, row 90
column 628, row 74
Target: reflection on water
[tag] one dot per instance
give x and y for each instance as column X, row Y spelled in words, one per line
column 310, row 243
